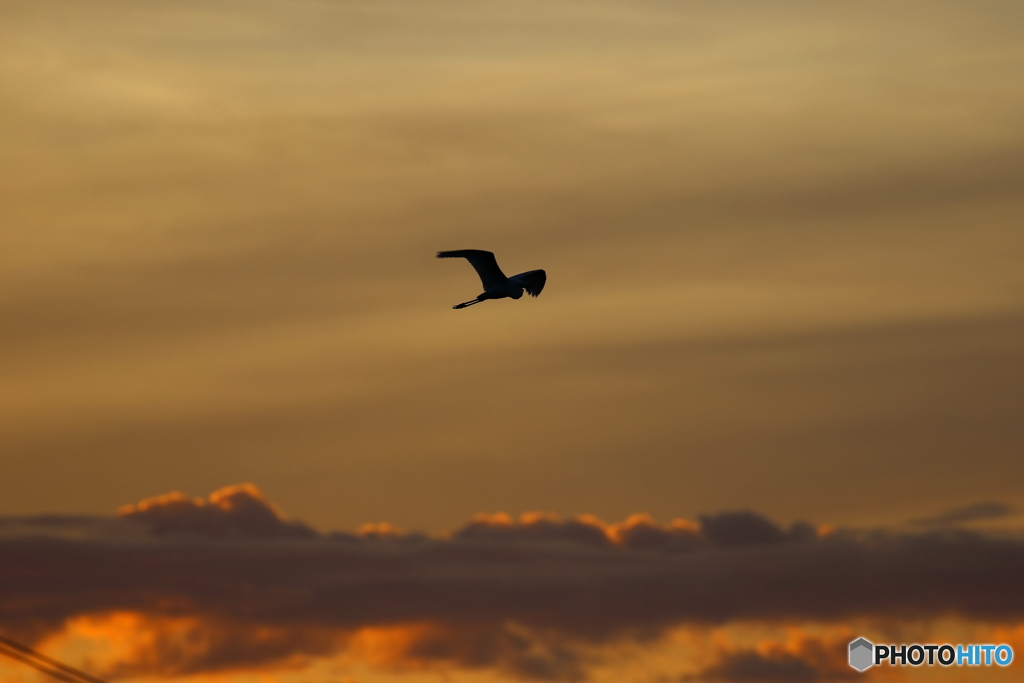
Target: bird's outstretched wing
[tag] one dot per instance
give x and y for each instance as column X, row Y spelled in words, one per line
column 532, row 281
column 485, row 264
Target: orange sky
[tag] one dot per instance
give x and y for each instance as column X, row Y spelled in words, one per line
column 783, row 243
column 783, row 247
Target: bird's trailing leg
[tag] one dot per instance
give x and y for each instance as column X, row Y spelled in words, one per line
column 467, row 303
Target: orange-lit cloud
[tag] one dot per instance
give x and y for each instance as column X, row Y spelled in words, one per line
column 134, row 644
column 639, row 531
column 243, row 511
column 240, row 510
column 508, row 647
column 801, row 659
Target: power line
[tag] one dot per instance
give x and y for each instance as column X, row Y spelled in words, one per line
column 46, row 665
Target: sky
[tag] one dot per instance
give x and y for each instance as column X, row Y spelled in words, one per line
column 783, row 244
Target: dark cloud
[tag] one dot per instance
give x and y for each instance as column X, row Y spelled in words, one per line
column 808, row 660
column 240, row 510
column 978, row 512
column 748, row 528
column 81, row 527
column 538, row 591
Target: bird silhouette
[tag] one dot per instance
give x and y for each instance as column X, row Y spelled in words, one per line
column 496, row 285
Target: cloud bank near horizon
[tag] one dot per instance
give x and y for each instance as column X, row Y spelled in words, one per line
column 227, row 583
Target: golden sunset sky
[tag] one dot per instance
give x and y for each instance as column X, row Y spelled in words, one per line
column 784, row 244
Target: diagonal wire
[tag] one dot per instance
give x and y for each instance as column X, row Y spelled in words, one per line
column 46, row 665
column 56, row 673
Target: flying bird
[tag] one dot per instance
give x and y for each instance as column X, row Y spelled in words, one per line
column 496, row 285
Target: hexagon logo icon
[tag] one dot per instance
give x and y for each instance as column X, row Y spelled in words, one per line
column 861, row 652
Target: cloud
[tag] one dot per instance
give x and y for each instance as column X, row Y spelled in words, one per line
column 535, row 527
column 747, row 528
column 172, row 646
column 639, row 531
column 226, row 583
column 978, row 512
column 179, row 645
column 508, row 647
column 240, row 510
column 803, row 660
